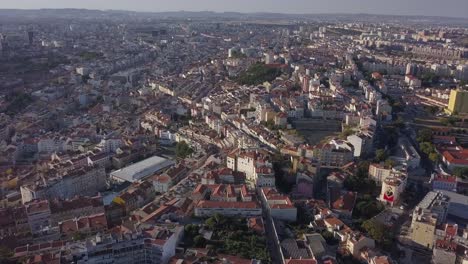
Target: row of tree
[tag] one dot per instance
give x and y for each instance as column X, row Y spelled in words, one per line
column 424, row 139
column 258, row 73
column 230, row 236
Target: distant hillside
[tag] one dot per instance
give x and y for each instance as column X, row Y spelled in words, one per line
column 6, row 14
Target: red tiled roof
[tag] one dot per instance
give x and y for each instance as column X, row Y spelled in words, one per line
column 451, row 230
column 345, row 202
column 456, row 157
column 301, row 261
column 445, row 178
column 222, row 204
column 256, row 223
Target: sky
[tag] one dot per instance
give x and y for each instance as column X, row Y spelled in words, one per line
column 450, row 8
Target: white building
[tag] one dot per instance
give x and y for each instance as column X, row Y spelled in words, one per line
column 205, row 208
column 141, row 169
column 265, row 177
column 279, row 206
column 162, row 183
column 152, row 245
column 384, row 110
column 38, row 213
column 362, row 143
column 254, row 163
column 111, row 144
column 379, row 172
column 86, row 181
column 392, row 188
column 334, row 154
column 50, row 145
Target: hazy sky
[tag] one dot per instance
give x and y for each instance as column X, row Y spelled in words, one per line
column 457, row 8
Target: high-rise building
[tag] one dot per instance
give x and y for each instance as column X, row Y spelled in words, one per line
column 305, row 84
column 429, row 213
column 31, row 37
column 458, row 102
column 269, row 58
column 411, row 69
column 462, row 72
column 392, row 187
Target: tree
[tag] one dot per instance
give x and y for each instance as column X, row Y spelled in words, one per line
column 424, row 135
column 433, row 156
column 399, row 123
column 85, row 78
column 376, row 230
column 329, row 238
column 359, row 184
column 449, row 121
column 78, row 236
column 432, row 109
column 429, row 78
column 216, row 221
column 390, row 163
column 346, row 132
column 199, row 241
column 183, row 150
column 191, row 230
column 367, row 207
column 258, row 73
column 461, row 173
column 363, row 169
column 380, row 155
column 426, row 147
column 5, row 254
column 18, row 102
column 281, row 182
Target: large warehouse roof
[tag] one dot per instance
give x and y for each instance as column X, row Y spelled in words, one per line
column 141, row 169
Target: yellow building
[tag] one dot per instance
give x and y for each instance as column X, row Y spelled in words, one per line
column 423, row 229
column 458, row 102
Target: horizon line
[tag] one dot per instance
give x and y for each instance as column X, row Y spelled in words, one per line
column 239, row 12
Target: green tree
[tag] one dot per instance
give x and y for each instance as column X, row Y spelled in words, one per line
column 5, row 254
column 376, row 231
column 390, row 163
column 281, row 181
column 183, row 150
column 199, row 241
column 449, row 121
column 360, row 184
column 258, row 73
column 329, row 238
column 433, row 156
column 191, row 230
column 78, row 236
column 432, row 109
column 17, row 102
column 424, row 135
column 346, row 132
column 399, row 123
column 367, row 207
column 216, row 221
column 390, row 135
column 380, row 155
column 426, row 147
column 461, row 172
column 363, row 169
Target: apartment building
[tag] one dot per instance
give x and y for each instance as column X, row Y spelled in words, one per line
column 86, row 181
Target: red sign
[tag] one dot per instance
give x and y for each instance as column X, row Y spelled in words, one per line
column 388, row 195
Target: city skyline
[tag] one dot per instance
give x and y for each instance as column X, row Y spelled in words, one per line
column 450, row 8
column 261, row 132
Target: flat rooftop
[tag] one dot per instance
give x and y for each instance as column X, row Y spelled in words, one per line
column 142, row 169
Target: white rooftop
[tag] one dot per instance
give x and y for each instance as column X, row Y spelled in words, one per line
column 142, row 169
